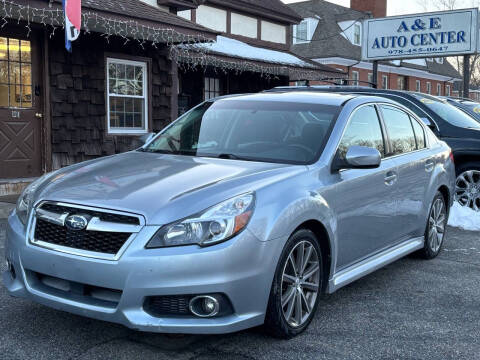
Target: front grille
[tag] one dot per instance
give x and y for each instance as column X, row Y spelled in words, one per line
column 167, row 305
column 104, row 216
column 96, row 241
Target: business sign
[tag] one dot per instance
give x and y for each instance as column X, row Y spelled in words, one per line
column 443, row 33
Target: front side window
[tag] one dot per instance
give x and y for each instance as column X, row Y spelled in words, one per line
column 127, row 96
column 267, row 131
column 212, row 88
column 450, row 113
column 15, row 73
column 363, row 129
column 400, row 130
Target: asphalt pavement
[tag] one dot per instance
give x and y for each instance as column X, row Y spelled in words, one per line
column 412, row 309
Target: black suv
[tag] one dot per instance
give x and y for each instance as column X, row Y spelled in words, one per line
column 452, row 125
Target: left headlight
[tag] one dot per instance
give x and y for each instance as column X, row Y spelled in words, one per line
column 216, row 224
column 24, row 203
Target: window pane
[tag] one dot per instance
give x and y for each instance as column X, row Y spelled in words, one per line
column 130, row 72
column 3, row 48
column 27, row 96
column 15, row 96
column 4, row 95
column 4, row 72
column 26, row 51
column 207, row 84
column 15, row 73
column 419, row 134
column 139, row 73
column 363, row 130
column 26, row 74
column 14, row 49
column 400, row 130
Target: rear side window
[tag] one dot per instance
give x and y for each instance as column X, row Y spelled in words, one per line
column 363, row 130
column 419, row 134
column 400, row 130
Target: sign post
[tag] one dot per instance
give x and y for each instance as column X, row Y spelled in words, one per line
column 436, row 34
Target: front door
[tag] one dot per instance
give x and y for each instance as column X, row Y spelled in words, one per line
column 20, row 108
column 365, row 204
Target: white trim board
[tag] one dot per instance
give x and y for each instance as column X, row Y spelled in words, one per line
column 384, row 68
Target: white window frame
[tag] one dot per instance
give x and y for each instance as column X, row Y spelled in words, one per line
column 143, row 64
column 216, row 92
column 439, row 89
column 355, row 78
column 355, row 27
column 418, row 86
column 429, row 87
column 447, row 90
column 385, row 77
column 401, row 82
column 296, row 40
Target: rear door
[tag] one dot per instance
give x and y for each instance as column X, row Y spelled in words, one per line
column 365, row 202
column 415, row 165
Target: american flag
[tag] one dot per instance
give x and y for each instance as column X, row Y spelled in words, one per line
column 73, row 21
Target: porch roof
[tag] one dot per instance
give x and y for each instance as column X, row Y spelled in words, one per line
column 128, row 18
column 233, row 54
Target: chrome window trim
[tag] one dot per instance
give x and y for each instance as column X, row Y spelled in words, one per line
column 105, row 226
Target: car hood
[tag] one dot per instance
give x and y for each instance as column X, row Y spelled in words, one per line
column 163, row 188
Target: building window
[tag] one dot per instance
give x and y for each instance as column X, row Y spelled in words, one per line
column 429, row 87
column 212, row 88
column 127, row 96
column 300, row 32
column 439, row 89
column 357, row 37
column 301, row 83
column 370, row 78
column 355, row 78
column 401, row 83
column 15, row 73
column 447, row 91
column 440, row 60
column 384, row 82
column 418, row 86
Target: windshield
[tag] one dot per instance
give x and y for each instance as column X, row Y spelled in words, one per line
column 269, row 131
column 450, row 113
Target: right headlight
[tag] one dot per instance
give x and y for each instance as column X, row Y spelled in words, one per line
column 212, row 226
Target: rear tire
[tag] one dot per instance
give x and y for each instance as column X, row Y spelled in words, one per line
column 436, row 228
column 296, row 286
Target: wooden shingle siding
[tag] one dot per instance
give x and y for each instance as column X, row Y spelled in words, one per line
column 78, row 96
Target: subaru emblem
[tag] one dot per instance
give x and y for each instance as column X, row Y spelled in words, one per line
column 76, row 222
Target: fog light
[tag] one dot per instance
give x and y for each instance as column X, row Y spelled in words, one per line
column 204, row 306
column 10, row 269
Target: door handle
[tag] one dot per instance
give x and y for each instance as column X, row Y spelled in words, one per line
column 429, row 165
column 39, row 115
column 391, row 178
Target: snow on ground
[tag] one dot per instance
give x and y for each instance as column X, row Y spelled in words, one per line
column 236, row 48
column 464, row 218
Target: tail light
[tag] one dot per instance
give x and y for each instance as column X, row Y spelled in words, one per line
column 451, row 157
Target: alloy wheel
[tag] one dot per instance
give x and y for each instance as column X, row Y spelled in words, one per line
column 467, row 191
column 300, row 283
column 437, row 224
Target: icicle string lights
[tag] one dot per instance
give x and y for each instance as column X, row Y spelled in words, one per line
column 181, row 50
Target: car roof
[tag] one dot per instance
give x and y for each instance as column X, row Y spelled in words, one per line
column 322, row 98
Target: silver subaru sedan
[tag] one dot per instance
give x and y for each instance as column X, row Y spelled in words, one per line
column 240, row 213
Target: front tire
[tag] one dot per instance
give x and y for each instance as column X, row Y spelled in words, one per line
column 296, row 286
column 436, row 228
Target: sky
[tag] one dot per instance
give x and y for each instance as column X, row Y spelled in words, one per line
column 401, row 7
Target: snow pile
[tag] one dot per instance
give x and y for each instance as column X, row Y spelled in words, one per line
column 236, row 48
column 464, row 218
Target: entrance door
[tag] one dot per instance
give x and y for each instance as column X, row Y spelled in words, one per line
column 20, row 119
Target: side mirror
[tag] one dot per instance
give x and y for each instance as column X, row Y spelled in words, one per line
column 145, row 138
column 359, row 157
column 428, row 122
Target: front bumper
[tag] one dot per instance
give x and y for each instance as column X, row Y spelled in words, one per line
column 242, row 269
